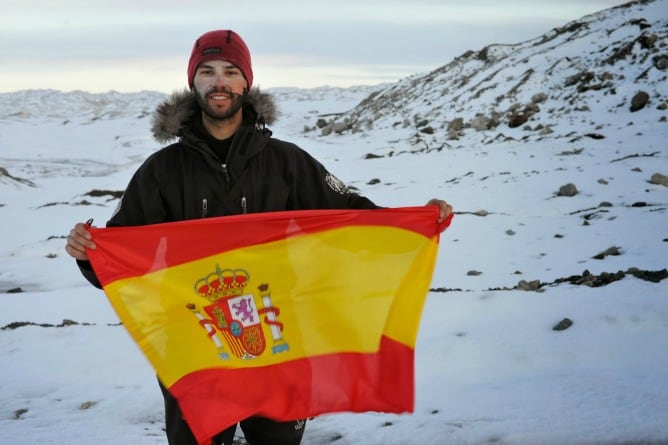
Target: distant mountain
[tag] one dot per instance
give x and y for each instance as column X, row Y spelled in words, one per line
column 77, row 105
column 613, row 61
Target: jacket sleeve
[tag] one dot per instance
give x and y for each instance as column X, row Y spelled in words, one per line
column 139, row 205
column 316, row 188
column 87, row 271
column 142, row 202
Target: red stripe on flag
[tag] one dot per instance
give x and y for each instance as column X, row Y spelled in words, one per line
column 213, row 399
column 135, row 251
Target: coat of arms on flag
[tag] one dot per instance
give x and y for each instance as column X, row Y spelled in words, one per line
column 231, row 312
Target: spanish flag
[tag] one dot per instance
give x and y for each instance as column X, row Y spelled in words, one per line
column 285, row 315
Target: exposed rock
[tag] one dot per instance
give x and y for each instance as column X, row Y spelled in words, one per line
column 605, row 278
column 371, row 156
column 517, row 119
column 456, row 124
column 545, row 131
column 19, row 412
column 567, row 190
column 654, row 276
column 614, row 250
column 661, row 62
column 590, row 280
column 563, row 325
column 519, row 115
column 113, row 194
column 532, row 285
column 539, row 98
column 659, row 179
column 586, row 279
column 20, row 324
column 340, row 127
column 87, row 405
column 636, row 155
column 639, row 101
column 4, row 173
column 640, row 23
column 575, row 151
column 589, row 81
column 480, row 123
column 453, row 134
column 647, row 41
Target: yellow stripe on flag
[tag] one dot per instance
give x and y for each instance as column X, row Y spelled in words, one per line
column 336, row 291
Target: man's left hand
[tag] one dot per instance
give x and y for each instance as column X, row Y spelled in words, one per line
column 445, row 209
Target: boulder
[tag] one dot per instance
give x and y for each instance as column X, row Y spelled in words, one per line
column 639, row 101
column 567, row 190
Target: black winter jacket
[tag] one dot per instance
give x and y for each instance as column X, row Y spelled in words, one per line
column 185, row 180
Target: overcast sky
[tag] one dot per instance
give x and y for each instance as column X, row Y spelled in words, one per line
column 133, row 45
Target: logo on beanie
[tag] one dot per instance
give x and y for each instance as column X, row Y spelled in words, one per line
column 211, row 51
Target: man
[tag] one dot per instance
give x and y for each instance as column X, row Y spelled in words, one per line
column 225, row 162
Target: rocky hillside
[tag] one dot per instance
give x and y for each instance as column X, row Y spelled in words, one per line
column 612, row 61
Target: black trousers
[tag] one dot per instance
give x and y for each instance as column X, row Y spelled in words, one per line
column 257, row 430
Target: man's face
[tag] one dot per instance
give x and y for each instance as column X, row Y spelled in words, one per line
column 219, row 87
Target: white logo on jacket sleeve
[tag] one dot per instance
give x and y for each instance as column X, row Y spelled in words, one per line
column 336, row 184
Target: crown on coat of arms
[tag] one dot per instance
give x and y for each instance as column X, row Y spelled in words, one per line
column 222, row 283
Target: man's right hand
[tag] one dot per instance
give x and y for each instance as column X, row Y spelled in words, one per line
column 78, row 241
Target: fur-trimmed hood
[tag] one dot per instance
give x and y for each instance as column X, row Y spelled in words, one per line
column 171, row 115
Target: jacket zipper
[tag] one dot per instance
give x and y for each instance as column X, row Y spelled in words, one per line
column 226, row 172
column 225, row 163
column 205, row 208
column 244, row 205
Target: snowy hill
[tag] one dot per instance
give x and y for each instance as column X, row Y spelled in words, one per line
column 547, row 321
column 579, row 74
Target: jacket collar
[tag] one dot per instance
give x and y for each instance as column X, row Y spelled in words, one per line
column 173, row 116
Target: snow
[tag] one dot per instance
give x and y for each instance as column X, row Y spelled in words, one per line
column 489, row 366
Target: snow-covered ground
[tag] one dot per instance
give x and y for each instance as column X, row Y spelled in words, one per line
column 490, row 368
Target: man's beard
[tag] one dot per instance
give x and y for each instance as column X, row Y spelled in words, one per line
column 236, row 102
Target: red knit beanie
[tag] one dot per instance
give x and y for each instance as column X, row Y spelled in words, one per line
column 221, row 45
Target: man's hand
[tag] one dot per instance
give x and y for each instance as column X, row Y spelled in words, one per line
column 78, row 241
column 445, row 209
